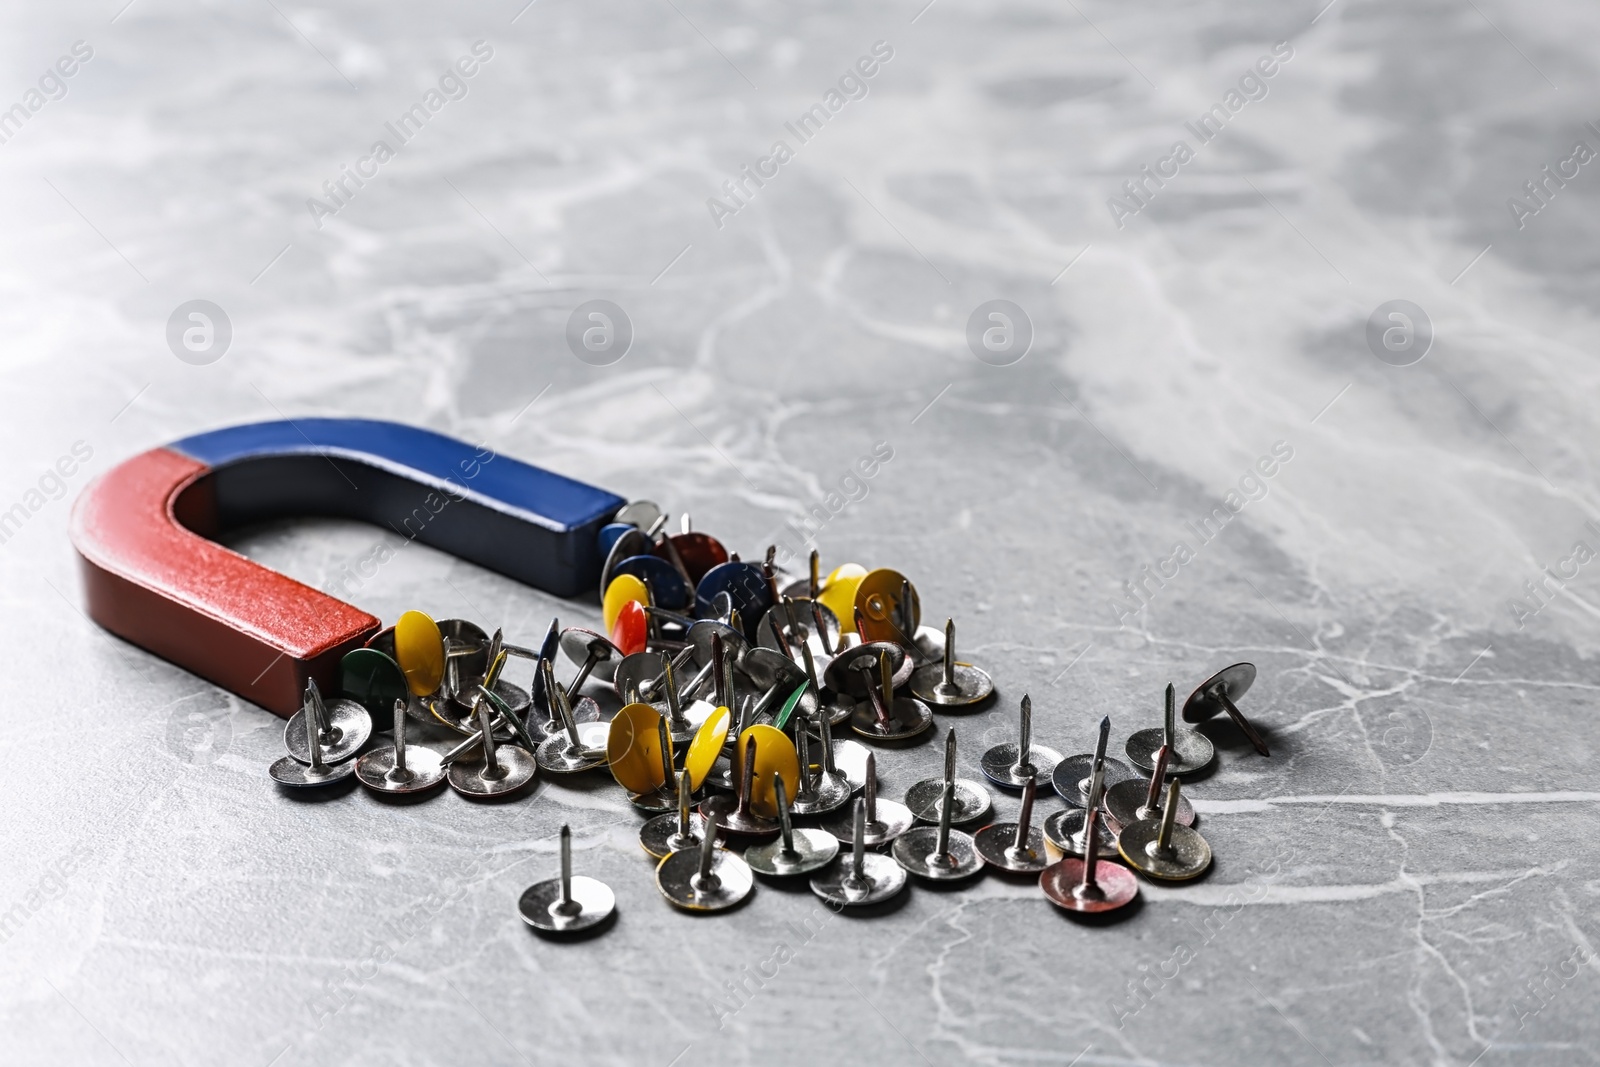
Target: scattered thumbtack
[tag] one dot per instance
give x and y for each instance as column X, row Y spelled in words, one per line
column 566, row 751
column 705, row 879
column 885, row 819
column 1163, row 848
column 664, row 797
column 346, row 726
column 1072, row 776
column 938, row 853
column 1017, row 846
column 400, row 769
column 736, row 816
column 865, row 877
column 1218, row 693
column 315, row 771
column 795, row 852
column 505, row 768
column 567, row 904
column 884, row 716
column 950, row 684
column 1090, row 885
column 1135, row 801
column 1191, row 750
column 588, row 650
column 675, row 831
column 1013, row 766
column 828, row 790
column 972, row 801
column 1067, row 829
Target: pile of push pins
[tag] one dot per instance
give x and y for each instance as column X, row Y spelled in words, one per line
column 732, row 685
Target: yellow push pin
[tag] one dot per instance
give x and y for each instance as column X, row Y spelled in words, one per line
column 624, row 589
column 839, row 594
column 634, row 751
column 890, row 609
column 419, row 649
column 774, row 754
column 706, row 747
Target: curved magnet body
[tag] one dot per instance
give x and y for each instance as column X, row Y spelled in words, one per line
column 154, row 576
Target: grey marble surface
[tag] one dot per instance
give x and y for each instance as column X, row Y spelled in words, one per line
column 1415, row 859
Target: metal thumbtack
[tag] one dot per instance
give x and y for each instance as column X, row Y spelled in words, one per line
column 588, row 650
column 1014, row 766
column 972, row 800
column 663, row 797
column 839, row 709
column 567, row 751
column 1067, row 829
column 1072, row 775
column 1218, row 693
column 737, row 816
column 1089, row 885
column 315, row 771
column 706, row 879
column 865, row 877
column 795, row 851
column 1014, row 846
column 1134, row 801
column 1191, row 749
column 948, row 683
column 938, row 853
column 567, row 904
column 505, row 768
column 400, row 769
column 826, row 792
column 885, row 819
column 681, row 725
column 676, row 831
column 884, row 716
column 1163, row 848
column 346, row 726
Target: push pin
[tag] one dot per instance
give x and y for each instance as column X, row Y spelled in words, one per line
column 707, row 879
column 1164, row 848
column 1191, row 750
column 505, row 768
column 886, row 717
column 1014, row 846
column 1090, row 885
column 890, row 610
column 950, row 684
column 567, row 904
column 664, row 797
column 680, row 726
column 829, row 790
column 1072, row 775
column 1014, row 766
column 795, row 851
column 346, row 726
column 315, row 771
column 419, row 650
column 588, row 650
column 840, row 707
column 885, row 819
column 400, row 769
column 1218, row 693
column 971, row 798
column 938, row 853
column 566, row 752
column 1134, row 801
column 866, row 877
column 1067, row 829
column 675, row 831
column 736, row 815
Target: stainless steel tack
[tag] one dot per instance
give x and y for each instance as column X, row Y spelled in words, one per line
column 705, row 879
column 1218, row 693
column 1163, row 848
column 588, row 650
column 1191, row 750
column 839, row 707
column 346, row 726
column 1012, row 766
column 864, row 877
column 1132, row 801
column 972, row 800
column 948, row 683
column 828, row 790
column 1090, row 885
column 567, row 751
column 795, row 852
column 674, row 832
column 1014, row 846
column 567, row 904
column 1072, row 775
column 938, row 853
column 682, row 723
column 400, row 769
column 735, row 814
column 884, row 716
column 505, row 768
column 1067, row 829
column 885, row 819
column 316, row 771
